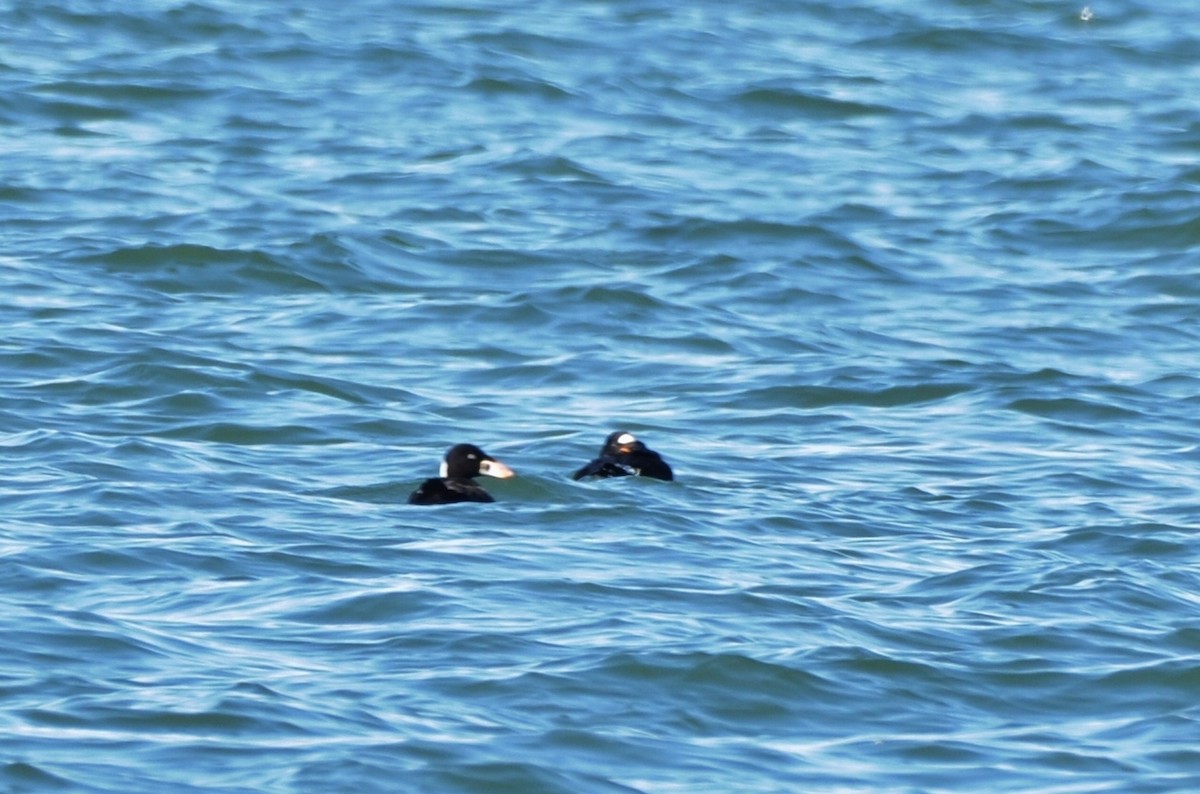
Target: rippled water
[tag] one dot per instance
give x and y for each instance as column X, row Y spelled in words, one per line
column 906, row 293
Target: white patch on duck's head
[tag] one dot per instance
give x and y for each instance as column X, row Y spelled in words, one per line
column 444, row 471
column 626, row 438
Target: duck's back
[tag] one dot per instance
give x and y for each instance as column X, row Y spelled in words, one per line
column 448, row 490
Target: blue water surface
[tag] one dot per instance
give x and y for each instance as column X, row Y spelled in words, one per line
column 906, row 293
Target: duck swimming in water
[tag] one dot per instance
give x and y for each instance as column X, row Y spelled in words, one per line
column 462, row 463
column 623, row 455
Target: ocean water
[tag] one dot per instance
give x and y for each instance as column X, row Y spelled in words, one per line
column 906, row 292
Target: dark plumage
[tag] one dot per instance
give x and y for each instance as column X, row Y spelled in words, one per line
column 462, row 463
column 623, row 455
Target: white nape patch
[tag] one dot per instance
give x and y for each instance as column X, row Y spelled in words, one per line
column 625, row 438
column 444, row 469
